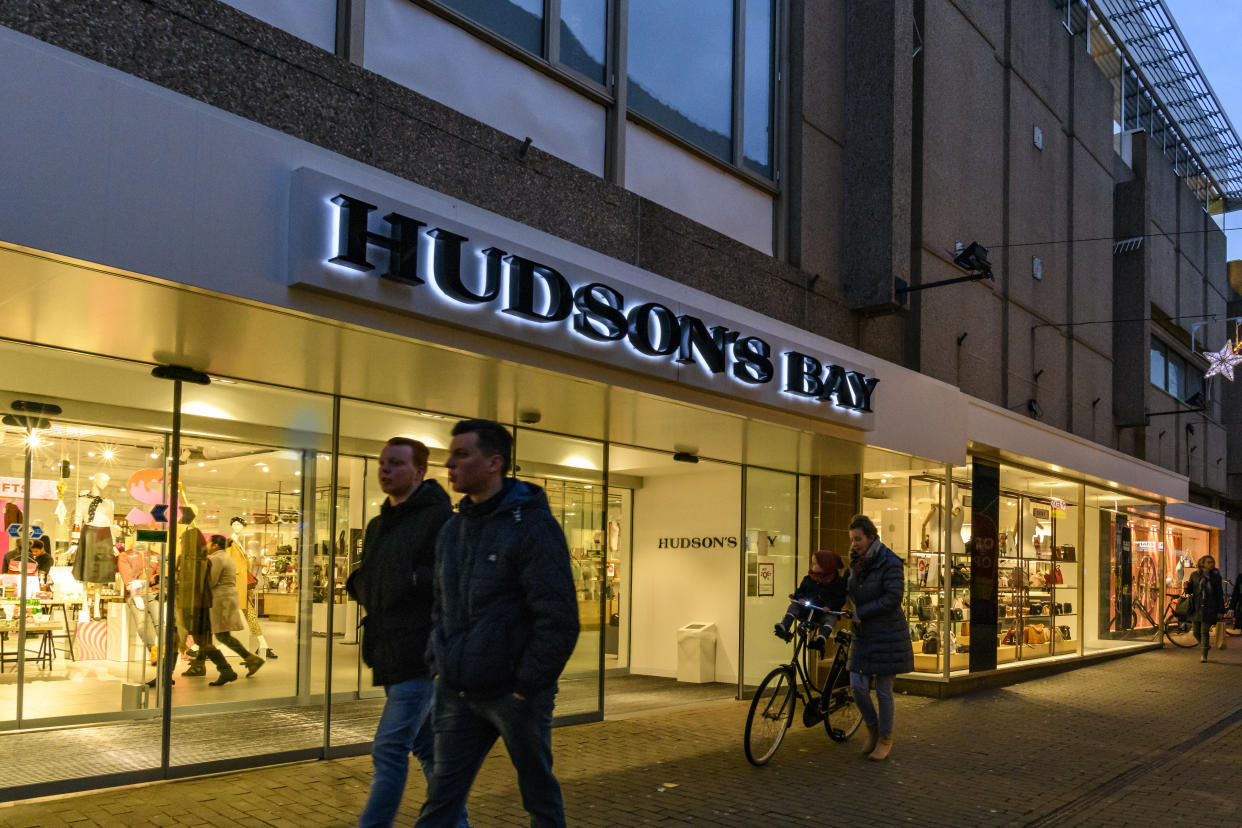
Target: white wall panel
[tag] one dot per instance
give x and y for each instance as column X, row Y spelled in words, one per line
column 668, row 175
column 419, row 50
column 312, row 20
column 675, row 587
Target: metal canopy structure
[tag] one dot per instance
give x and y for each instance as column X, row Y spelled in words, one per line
column 1163, row 90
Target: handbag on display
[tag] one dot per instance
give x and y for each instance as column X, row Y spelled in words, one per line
column 1068, row 554
column 1065, row 631
column 1034, row 634
column 1007, row 639
column 960, row 576
column 1020, row 578
column 1057, row 577
column 955, row 614
column 931, row 644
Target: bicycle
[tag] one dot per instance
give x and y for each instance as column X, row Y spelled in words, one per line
column 1177, row 628
column 772, row 709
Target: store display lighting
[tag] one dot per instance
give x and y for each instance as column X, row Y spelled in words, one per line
column 108, row 454
column 965, row 533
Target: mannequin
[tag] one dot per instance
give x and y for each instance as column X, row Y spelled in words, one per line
column 94, row 565
column 957, row 519
column 245, row 589
column 933, row 526
column 137, row 570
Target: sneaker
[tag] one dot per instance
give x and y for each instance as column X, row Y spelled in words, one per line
column 269, row 654
column 782, row 633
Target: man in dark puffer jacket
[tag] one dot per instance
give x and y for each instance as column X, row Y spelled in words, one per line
column 394, row 584
column 506, row 623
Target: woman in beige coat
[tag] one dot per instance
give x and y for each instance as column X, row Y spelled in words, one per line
column 226, row 614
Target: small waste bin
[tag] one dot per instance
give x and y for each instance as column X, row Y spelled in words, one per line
column 696, row 653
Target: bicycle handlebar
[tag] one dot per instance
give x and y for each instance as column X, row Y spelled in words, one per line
column 805, row 603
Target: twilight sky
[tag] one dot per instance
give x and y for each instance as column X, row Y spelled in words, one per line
column 1213, row 29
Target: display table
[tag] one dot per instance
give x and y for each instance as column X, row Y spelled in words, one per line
column 39, row 630
column 279, row 606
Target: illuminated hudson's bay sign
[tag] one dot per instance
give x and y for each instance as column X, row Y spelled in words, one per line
column 396, row 254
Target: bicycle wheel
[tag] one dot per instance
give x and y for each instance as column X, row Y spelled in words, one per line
column 1180, row 633
column 842, row 717
column 771, row 711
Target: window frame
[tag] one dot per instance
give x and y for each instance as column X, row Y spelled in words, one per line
column 1191, row 377
column 549, row 64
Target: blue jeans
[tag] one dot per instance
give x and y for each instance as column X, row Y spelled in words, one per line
column 466, row 729
column 860, row 684
column 403, row 729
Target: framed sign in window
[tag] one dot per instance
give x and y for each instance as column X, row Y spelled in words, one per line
column 767, row 579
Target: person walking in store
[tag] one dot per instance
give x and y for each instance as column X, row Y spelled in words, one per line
column 1207, row 601
column 506, row 624
column 226, row 617
column 881, row 647
column 193, row 605
column 393, row 583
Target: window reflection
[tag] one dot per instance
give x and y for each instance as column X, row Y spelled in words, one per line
column 520, row 21
column 584, row 32
column 757, row 92
column 681, row 68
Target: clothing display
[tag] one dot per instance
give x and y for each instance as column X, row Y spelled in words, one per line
column 95, row 562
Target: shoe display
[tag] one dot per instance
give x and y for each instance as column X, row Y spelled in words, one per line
column 253, row 663
column 225, row 678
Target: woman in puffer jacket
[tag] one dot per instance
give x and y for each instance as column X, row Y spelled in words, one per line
column 881, row 634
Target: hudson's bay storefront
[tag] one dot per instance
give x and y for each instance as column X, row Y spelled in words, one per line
column 695, row 452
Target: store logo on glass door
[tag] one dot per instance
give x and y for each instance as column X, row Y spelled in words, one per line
column 412, row 262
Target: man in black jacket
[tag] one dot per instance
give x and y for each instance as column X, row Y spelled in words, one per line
column 394, row 584
column 506, row 623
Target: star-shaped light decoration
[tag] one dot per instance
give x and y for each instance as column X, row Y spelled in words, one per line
column 1222, row 361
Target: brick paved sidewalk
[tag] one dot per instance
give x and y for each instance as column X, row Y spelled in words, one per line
column 1143, row 740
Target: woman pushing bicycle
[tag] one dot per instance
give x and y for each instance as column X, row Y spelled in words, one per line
column 822, row 586
column 881, row 633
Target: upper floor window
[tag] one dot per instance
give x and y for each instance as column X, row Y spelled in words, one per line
column 1172, row 373
column 702, row 70
column 578, row 41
